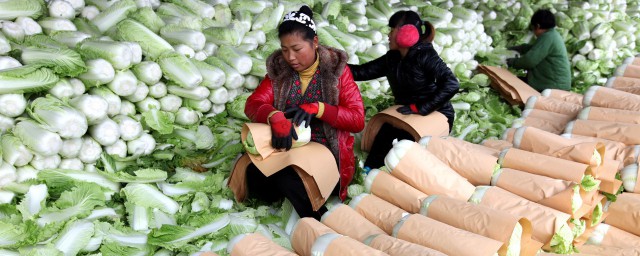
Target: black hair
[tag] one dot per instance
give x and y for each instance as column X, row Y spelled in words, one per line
column 543, row 18
column 400, row 18
column 290, row 27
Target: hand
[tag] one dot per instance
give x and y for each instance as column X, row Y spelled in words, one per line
column 282, row 132
column 408, row 109
column 303, row 112
column 517, row 48
column 511, row 61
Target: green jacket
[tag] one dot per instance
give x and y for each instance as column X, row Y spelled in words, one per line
column 546, row 62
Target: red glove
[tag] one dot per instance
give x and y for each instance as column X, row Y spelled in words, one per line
column 282, row 131
column 409, row 109
column 303, row 112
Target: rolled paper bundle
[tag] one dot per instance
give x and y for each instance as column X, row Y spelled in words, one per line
column 416, row 166
column 510, row 87
column 597, row 214
column 542, row 142
column 612, row 149
column 546, row 115
column 610, row 114
column 626, row 133
column 606, row 173
column 513, row 232
column 571, row 97
column 305, row 233
column 550, row 125
column 379, row 212
column 255, row 244
column 595, row 250
column 607, row 235
column 625, row 213
column 394, row 191
column 606, row 97
column 633, row 90
column 631, row 155
column 497, row 144
column 547, row 223
column 628, row 70
column 632, row 61
column 550, row 167
column 553, row 105
column 419, row 229
column 346, row 221
column 463, row 144
column 398, row 247
column 508, row 134
column 629, row 176
column 564, row 196
column 473, row 164
column 621, row 82
column 332, row 244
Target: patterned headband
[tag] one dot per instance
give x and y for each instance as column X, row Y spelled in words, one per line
column 300, row 18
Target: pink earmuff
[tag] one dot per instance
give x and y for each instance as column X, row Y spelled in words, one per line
column 407, row 36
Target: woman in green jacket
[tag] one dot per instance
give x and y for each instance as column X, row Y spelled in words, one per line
column 546, row 59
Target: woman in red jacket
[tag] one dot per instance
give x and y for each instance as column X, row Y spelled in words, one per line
column 307, row 82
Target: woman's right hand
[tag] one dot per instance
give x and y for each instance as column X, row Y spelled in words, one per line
column 282, row 131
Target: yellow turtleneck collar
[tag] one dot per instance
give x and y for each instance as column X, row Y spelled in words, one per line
column 307, row 74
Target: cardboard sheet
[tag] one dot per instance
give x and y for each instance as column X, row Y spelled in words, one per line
column 347, row 246
column 542, row 142
column 544, row 165
column 305, row 233
column 626, row 133
column 379, row 212
column 346, row 221
column 396, row 192
column 474, row 165
column 554, row 105
column 497, row 144
column 398, row 247
column 258, row 245
column 632, row 71
column 621, row 82
column 625, row 213
column 425, row 172
column 514, row 90
column 545, row 221
column 571, row 97
column 611, row 98
column 611, row 115
column 425, row 231
column 478, row 219
column 434, row 124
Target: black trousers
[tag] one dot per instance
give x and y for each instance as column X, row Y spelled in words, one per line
column 283, row 184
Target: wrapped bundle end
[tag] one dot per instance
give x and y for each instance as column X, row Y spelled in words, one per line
column 371, row 177
column 562, row 241
column 629, row 177
column 356, row 200
column 517, row 136
column 518, row 122
column 515, row 240
column 478, row 194
column 531, row 102
column 610, row 81
column 496, row 175
column 588, row 96
column 321, row 244
column 569, row 128
column 546, row 93
column 234, row 241
column 424, row 141
column 620, row 70
column 628, row 60
column 584, row 113
column 424, row 208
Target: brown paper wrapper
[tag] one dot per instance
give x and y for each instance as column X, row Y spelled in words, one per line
column 434, row 124
column 546, row 143
column 611, row 115
column 497, row 144
column 258, row 245
column 633, row 90
column 508, row 134
column 442, row 237
column 632, row 71
column 238, row 178
column 305, row 233
column 612, row 149
column 622, row 82
column 379, row 212
column 346, row 221
column 471, row 146
column 474, row 165
column 544, row 220
column 589, row 250
column 478, row 219
column 396, row 192
column 553, row 193
column 616, row 237
column 571, row 97
column 606, row 173
column 625, row 213
column 626, row 133
column 319, row 173
column 636, row 61
column 544, row 165
column 514, row 90
column 397, row 247
column 425, row 172
column 548, row 115
column 346, row 246
column 550, row 125
column 611, row 98
column 557, row 106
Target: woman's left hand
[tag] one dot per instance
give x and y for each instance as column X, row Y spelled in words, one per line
column 303, row 112
column 408, row 109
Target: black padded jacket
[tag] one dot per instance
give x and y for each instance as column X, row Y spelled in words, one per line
column 420, row 78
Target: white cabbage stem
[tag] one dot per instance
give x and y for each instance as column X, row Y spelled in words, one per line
column 78, row 87
column 61, row 9
column 90, row 151
column 7, row 62
column 94, row 108
column 71, row 147
column 148, row 104
column 89, row 12
column 124, row 83
column 41, row 162
column 12, row 105
column 30, row 26
column 6, row 123
column 25, row 173
column 14, row 151
column 72, row 164
column 99, row 72
column 127, row 108
column 117, row 149
column 170, row 103
column 144, row 145
column 186, row 116
column 63, row 89
column 142, row 90
column 106, row 132
column 158, row 90
column 7, row 174
column 130, row 129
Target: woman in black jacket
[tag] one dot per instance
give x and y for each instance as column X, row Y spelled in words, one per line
column 418, row 78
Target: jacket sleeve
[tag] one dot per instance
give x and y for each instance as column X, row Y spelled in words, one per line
column 535, row 54
column 260, row 103
column 370, row 70
column 446, row 82
column 349, row 114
